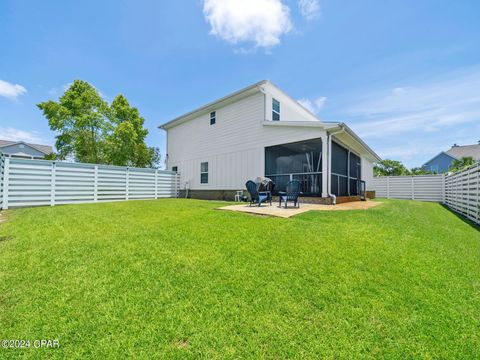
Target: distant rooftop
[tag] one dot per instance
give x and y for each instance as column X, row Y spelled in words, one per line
column 46, row 149
column 458, row 151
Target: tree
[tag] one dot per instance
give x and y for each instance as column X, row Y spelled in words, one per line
column 79, row 119
column 419, row 171
column 126, row 143
column 90, row 130
column 464, row 162
column 390, row 168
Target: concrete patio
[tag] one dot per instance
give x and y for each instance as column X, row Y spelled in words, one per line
column 275, row 210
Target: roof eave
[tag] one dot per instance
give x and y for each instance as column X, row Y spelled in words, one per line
column 360, row 141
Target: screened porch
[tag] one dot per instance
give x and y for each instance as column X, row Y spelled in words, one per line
column 302, row 161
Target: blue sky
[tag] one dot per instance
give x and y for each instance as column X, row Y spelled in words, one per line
column 404, row 74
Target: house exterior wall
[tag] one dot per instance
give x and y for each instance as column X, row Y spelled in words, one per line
column 367, row 172
column 22, row 150
column 234, row 146
column 290, row 109
column 439, row 164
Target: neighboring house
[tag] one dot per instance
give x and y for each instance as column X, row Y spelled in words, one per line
column 262, row 131
column 22, row 149
column 442, row 162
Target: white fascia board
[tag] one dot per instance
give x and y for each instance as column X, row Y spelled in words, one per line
column 316, row 124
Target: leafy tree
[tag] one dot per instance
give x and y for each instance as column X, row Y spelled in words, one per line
column 419, row 171
column 92, row 131
column 390, row 168
column 126, row 143
column 464, row 162
column 79, row 119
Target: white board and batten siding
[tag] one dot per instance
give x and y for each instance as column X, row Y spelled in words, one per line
column 40, row 182
column 420, row 187
column 462, row 192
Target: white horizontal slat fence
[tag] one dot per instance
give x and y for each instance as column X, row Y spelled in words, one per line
column 419, row 187
column 25, row 182
column 462, row 192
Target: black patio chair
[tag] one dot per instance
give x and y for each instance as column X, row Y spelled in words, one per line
column 292, row 194
column 257, row 197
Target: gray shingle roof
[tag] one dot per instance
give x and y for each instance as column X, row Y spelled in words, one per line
column 46, row 149
column 465, row 151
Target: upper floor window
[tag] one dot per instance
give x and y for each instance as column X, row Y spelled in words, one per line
column 275, row 110
column 213, row 117
column 175, row 168
column 204, row 173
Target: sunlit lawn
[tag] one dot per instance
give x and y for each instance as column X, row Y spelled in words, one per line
column 176, row 278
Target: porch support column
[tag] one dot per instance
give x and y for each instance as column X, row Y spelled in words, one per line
column 325, row 166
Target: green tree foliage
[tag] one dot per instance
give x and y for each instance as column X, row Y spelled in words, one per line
column 419, row 171
column 78, row 118
column 90, row 130
column 462, row 163
column 390, row 168
column 126, row 143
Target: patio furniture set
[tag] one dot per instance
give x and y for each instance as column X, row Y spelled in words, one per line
column 261, row 191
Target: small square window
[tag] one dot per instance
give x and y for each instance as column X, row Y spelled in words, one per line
column 213, row 117
column 275, row 110
column 204, row 173
column 175, row 168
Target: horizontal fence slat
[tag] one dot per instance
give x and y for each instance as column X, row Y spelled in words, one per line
column 31, row 182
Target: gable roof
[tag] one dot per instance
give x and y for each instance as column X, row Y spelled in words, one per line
column 440, row 153
column 46, row 149
column 465, row 151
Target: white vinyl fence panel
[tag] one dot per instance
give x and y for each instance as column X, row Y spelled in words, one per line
column 462, row 192
column 39, row 182
column 418, row 187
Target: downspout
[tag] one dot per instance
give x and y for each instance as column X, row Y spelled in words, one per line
column 329, row 168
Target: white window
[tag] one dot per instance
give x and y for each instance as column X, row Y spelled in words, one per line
column 213, row 117
column 275, row 110
column 204, row 173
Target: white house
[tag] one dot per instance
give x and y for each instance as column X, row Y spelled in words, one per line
column 262, row 131
column 22, row 149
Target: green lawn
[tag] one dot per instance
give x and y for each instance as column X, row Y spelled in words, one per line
column 175, row 278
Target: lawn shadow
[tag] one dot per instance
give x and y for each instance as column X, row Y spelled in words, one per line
column 463, row 218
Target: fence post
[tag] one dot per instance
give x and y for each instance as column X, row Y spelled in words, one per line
column 177, row 185
column 478, row 192
column 413, row 188
column 444, row 188
column 156, row 183
column 127, row 185
column 388, row 187
column 52, row 185
column 6, row 174
column 95, row 183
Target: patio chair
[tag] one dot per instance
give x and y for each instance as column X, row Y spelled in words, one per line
column 292, row 193
column 257, row 197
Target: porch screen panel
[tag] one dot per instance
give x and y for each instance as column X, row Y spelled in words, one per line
column 344, row 182
column 354, row 173
column 300, row 161
column 339, row 170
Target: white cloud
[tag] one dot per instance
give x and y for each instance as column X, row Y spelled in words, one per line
column 310, row 9
column 13, row 134
column 261, row 22
column 11, row 91
column 314, row 105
